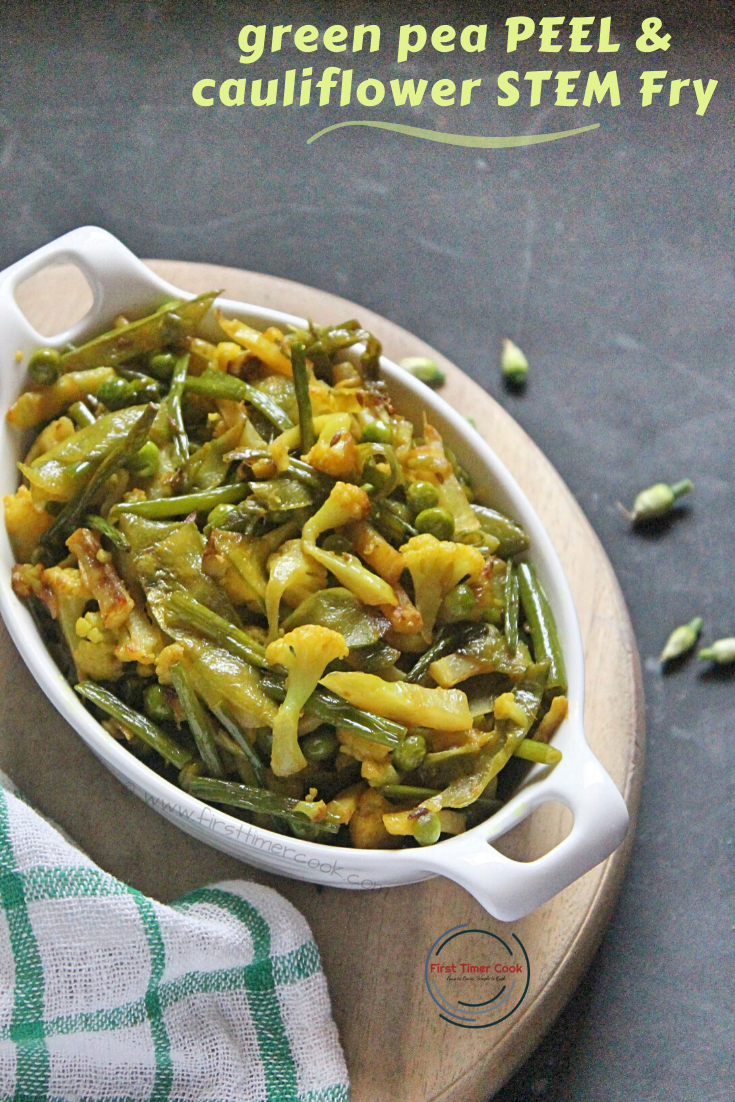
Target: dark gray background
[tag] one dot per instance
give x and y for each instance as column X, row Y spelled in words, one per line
column 608, row 257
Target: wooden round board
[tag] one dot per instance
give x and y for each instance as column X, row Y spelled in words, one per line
column 373, row 944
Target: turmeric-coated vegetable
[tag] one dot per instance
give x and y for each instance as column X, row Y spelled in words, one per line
column 305, row 652
column 272, row 586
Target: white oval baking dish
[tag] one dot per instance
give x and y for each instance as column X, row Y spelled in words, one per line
column 508, row 889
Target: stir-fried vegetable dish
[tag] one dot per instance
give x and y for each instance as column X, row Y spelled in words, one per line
column 271, row 586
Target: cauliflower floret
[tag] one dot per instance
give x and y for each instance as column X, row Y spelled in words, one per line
column 335, row 451
column 345, row 504
column 140, row 639
column 25, row 523
column 65, row 593
column 305, row 652
column 101, row 578
column 436, row 566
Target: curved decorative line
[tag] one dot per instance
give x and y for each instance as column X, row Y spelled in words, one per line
column 474, row 1006
column 473, row 141
column 465, row 931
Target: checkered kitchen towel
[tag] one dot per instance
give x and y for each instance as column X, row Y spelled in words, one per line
column 105, row 994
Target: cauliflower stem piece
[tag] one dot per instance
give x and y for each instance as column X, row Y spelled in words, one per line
column 345, row 504
column 443, row 709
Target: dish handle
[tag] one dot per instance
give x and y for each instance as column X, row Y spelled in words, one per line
column 118, row 280
column 510, row 889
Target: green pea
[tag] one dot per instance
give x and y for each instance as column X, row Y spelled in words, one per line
column 162, row 365
column 376, row 432
column 458, row 603
column 368, row 488
column 422, row 495
column 337, row 543
column 409, row 754
column 437, row 522
column 321, row 745
column 115, row 392
column 427, row 830
column 264, row 743
column 157, row 705
column 43, row 366
column 146, row 461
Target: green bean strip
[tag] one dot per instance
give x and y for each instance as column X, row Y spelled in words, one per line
column 148, row 732
column 448, row 640
column 149, row 334
column 228, row 721
column 198, row 720
column 69, row 517
column 301, row 386
column 216, row 384
column 510, row 624
column 218, row 630
column 530, row 750
column 257, row 800
column 408, row 792
column 81, row 415
column 233, row 753
column 201, row 502
column 172, row 407
column 113, row 534
column 541, row 625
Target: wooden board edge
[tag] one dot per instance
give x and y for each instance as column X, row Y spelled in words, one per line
column 486, row 1076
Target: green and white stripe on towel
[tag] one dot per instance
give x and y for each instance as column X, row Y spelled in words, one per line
column 106, row 995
